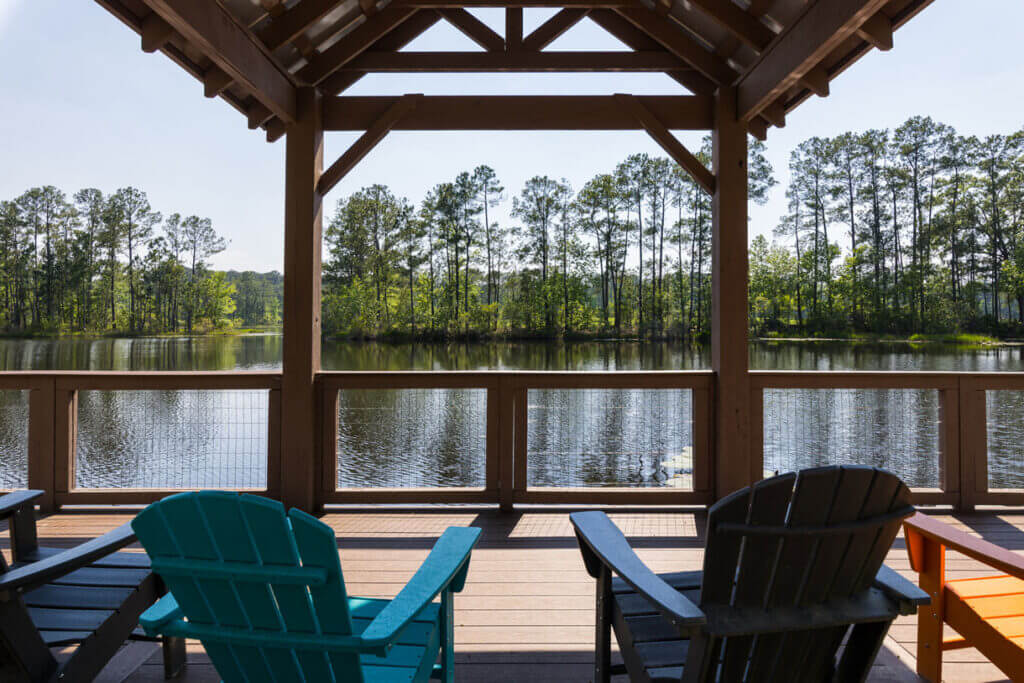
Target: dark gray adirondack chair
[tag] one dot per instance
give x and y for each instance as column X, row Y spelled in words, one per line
column 793, row 566
column 89, row 596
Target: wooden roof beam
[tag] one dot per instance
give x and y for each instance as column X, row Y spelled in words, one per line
column 366, row 142
column 519, row 112
column 215, row 33
column 354, row 44
column 657, row 130
column 155, row 32
column 673, row 39
column 553, row 28
column 293, row 22
column 474, row 29
column 488, row 62
column 878, row 31
column 737, row 21
column 824, row 26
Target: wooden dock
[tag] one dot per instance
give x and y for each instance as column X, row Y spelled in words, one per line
column 527, row 611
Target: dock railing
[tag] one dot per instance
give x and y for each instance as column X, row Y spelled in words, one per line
column 222, row 430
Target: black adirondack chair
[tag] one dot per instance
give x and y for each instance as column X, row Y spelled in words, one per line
column 89, row 596
column 792, row 570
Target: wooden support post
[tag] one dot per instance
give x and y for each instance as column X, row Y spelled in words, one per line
column 507, row 445
column 732, row 439
column 303, row 225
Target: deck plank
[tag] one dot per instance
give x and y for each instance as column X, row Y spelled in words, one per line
column 527, row 611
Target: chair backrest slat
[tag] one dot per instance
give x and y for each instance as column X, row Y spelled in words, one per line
column 769, row 501
column 234, row 537
column 220, row 527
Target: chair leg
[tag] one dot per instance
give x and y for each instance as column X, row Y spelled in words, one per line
column 174, row 656
column 603, row 634
column 447, row 637
column 860, row 652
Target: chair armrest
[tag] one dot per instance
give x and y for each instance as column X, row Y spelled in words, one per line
column 976, row 548
column 900, row 589
column 600, row 539
column 57, row 565
column 11, row 502
column 159, row 614
column 444, row 569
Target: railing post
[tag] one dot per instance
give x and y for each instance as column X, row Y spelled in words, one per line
column 973, row 443
column 65, row 439
column 950, row 452
column 42, row 452
column 274, row 443
column 493, row 442
column 507, row 436
column 328, row 470
column 702, row 426
column 756, row 432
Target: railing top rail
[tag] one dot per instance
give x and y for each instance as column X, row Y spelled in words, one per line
column 516, row 379
column 142, row 380
column 884, row 379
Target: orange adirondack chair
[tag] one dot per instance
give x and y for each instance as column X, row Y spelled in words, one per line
column 985, row 611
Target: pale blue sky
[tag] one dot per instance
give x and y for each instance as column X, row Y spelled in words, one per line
column 84, row 106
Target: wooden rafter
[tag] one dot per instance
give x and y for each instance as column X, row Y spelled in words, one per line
column 519, row 112
column 802, row 47
column 680, row 44
column 663, row 136
column 636, row 39
column 214, row 31
column 474, row 29
column 405, row 33
column 293, row 22
column 155, row 32
column 878, row 31
column 731, row 17
column 214, row 81
column 353, row 44
column 366, row 142
column 469, row 62
column 553, row 28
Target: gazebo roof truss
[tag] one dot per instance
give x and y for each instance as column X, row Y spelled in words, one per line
column 256, row 54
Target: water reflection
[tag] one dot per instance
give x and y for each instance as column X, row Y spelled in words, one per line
column 436, row 437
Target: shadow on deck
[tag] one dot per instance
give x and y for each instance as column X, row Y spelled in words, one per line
column 527, row 611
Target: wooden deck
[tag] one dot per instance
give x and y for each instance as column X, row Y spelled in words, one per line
column 527, row 611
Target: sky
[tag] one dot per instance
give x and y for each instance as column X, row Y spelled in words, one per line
column 83, row 106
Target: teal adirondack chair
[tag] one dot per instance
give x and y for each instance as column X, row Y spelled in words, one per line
column 264, row 593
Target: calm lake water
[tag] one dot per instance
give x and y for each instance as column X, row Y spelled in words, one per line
column 640, row 438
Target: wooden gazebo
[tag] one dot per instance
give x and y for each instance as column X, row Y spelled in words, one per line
column 285, row 64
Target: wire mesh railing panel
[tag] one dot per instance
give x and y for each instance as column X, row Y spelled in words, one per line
column 182, row 439
column 635, row 438
column 412, row 438
column 1004, row 424
column 13, row 439
column 897, row 429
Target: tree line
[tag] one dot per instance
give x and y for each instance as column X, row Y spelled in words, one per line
column 103, row 263
column 627, row 254
column 916, row 229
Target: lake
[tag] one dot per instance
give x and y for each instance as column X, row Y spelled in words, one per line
column 436, row 437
